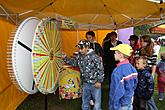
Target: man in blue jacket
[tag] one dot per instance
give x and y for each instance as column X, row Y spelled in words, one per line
column 123, row 80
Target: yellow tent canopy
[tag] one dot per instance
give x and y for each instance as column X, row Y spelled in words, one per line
column 94, row 14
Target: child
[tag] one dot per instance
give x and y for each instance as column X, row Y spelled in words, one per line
column 123, row 80
column 92, row 74
column 145, row 87
column 90, row 36
column 160, row 69
column 147, row 50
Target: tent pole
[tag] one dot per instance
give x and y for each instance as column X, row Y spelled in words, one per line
column 7, row 14
column 77, row 36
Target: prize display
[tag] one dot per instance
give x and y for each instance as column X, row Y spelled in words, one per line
column 70, row 83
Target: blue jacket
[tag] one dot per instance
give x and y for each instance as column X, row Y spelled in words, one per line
column 123, row 83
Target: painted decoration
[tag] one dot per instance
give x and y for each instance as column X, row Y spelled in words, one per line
column 46, row 55
column 70, row 83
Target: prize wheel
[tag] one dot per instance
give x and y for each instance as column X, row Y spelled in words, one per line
column 46, row 55
column 19, row 55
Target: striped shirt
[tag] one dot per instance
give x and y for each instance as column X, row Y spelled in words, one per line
column 151, row 61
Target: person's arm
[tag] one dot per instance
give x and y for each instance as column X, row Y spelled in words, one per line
column 99, row 69
column 70, row 61
column 100, row 50
column 154, row 62
column 106, row 47
column 116, row 91
column 150, row 85
column 153, row 69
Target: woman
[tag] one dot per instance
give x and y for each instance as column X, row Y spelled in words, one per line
column 147, row 50
column 135, row 46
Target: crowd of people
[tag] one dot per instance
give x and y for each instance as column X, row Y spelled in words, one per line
column 128, row 69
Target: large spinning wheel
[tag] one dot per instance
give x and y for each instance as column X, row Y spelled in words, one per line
column 46, row 55
column 19, row 55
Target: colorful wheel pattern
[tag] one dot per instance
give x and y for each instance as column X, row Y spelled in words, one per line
column 46, row 55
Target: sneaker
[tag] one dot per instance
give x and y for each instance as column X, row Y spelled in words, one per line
column 91, row 102
column 160, row 99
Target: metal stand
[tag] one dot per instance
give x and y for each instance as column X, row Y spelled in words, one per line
column 46, row 101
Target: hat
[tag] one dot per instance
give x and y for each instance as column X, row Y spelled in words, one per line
column 133, row 37
column 82, row 44
column 123, row 48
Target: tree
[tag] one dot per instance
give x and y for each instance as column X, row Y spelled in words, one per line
column 142, row 30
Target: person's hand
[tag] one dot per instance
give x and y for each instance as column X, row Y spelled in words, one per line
column 63, row 55
column 97, row 85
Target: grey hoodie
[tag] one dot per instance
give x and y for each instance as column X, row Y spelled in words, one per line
column 90, row 65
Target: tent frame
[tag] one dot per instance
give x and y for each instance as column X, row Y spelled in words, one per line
column 9, row 16
column 131, row 22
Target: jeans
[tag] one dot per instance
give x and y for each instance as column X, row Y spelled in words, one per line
column 161, row 95
column 88, row 91
column 151, row 104
column 127, row 107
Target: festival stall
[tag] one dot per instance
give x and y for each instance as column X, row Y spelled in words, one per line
column 17, row 40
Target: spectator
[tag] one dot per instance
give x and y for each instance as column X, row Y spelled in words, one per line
column 135, row 45
column 108, row 56
column 90, row 35
column 147, row 50
column 145, row 87
column 160, row 69
column 123, row 80
column 92, row 74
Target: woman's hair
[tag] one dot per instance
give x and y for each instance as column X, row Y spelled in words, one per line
column 107, row 37
column 135, row 38
column 149, row 49
column 113, row 33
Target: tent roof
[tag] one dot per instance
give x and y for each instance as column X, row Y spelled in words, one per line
column 106, row 14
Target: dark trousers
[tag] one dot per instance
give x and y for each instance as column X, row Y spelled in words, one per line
column 139, row 103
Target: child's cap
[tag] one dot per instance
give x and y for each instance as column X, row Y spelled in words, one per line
column 82, row 43
column 162, row 55
column 123, row 48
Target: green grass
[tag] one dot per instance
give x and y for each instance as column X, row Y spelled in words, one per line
column 37, row 101
column 162, row 49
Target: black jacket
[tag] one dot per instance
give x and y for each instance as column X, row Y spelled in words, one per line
column 108, row 55
column 145, row 87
